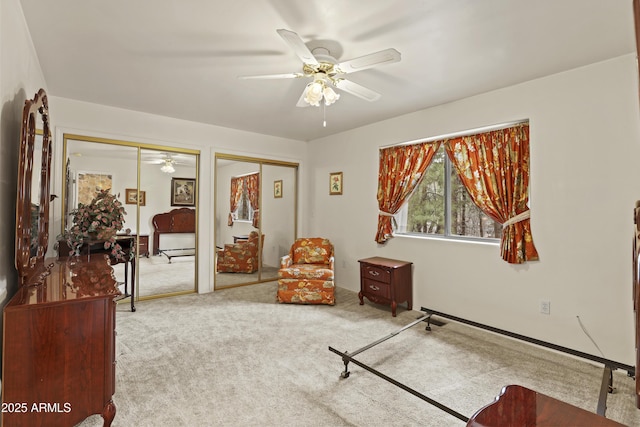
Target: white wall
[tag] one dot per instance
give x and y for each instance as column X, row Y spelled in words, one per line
column 20, row 78
column 101, row 121
column 585, row 146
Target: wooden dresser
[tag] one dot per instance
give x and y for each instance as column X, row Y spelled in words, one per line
column 127, row 243
column 58, row 350
column 59, row 346
column 386, row 281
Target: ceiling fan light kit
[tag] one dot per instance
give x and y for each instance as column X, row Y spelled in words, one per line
column 168, row 166
column 318, row 89
column 319, row 65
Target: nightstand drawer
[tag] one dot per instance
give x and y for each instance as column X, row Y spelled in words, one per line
column 377, row 289
column 376, row 273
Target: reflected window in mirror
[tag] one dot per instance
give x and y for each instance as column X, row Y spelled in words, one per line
column 244, row 211
column 244, row 197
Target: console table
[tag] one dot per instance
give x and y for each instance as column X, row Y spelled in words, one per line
column 386, row 281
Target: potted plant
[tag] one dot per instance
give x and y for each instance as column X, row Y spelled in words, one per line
column 100, row 220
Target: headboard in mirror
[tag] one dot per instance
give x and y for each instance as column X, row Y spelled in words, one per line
column 32, row 201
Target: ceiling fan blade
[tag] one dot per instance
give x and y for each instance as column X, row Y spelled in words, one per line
column 299, row 48
column 386, row 56
column 357, row 90
column 273, row 76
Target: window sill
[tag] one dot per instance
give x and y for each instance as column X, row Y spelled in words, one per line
column 462, row 239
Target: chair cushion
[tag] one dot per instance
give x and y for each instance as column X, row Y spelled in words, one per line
column 306, row 271
column 306, row 291
column 312, row 250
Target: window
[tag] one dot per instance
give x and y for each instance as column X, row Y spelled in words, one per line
column 440, row 205
column 244, row 211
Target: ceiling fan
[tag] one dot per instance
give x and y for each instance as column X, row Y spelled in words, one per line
column 325, row 71
column 167, row 161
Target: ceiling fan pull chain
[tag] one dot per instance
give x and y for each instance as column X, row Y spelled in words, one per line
column 324, row 115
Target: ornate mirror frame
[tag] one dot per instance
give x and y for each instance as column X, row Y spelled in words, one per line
column 32, row 219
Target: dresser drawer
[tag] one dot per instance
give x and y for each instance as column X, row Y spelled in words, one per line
column 376, row 273
column 378, row 289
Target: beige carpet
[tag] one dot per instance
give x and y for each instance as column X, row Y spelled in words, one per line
column 158, row 276
column 237, row 358
column 234, row 279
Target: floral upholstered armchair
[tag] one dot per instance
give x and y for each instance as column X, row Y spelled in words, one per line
column 241, row 257
column 306, row 274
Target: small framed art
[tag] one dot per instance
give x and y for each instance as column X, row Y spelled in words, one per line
column 183, row 192
column 132, row 195
column 277, row 189
column 335, row 183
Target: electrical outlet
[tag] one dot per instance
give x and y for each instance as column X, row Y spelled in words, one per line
column 545, row 307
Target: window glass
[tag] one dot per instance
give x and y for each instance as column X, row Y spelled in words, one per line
column 440, row 205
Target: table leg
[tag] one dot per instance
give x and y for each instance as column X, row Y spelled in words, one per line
column 133, row 284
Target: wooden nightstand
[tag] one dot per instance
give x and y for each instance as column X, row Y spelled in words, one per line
column 386, row 281
column 143, row 245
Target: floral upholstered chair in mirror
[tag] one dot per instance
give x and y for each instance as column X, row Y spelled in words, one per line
column 306, row 275
column 241, row 257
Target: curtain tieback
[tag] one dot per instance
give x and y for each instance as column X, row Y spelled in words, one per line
column 393, row 218
column 520, row 217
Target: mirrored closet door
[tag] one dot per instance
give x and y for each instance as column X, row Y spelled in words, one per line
column 158, row 188
column 254, row 197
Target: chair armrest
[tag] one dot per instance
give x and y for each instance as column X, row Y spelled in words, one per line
column 285, row 261
column 331, row 262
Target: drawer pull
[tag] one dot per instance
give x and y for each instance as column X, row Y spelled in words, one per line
column 374, row 273
column 374, row 288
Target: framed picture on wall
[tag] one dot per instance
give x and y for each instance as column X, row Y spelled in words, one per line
column 132, row 195
column 90, row 183
column 335, row 183
column 183, row 192
column 277, row 189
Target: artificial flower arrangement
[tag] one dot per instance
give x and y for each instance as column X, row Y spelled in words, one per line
column 100, row 220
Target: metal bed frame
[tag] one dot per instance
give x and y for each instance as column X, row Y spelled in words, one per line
column 181, row 252
column 605, row 387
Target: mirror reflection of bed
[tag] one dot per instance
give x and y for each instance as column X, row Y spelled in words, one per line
column 124, row 162
column 276, row 217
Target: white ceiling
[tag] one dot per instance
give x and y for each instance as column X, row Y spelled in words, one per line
column 181, row 58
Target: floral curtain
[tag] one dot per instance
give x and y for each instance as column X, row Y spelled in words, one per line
column 234, row 197
column 494, row 167
column 401, row 169
column 252, row 183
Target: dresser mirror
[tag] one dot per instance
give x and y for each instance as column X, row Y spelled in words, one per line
column 33, row 193
column 272, row 214
column 144, row 177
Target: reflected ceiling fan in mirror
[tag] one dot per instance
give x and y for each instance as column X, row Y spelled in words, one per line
column 166, row 160
column 168, row 166
column 325, row 71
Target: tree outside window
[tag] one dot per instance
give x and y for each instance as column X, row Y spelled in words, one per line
column 440, row 205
